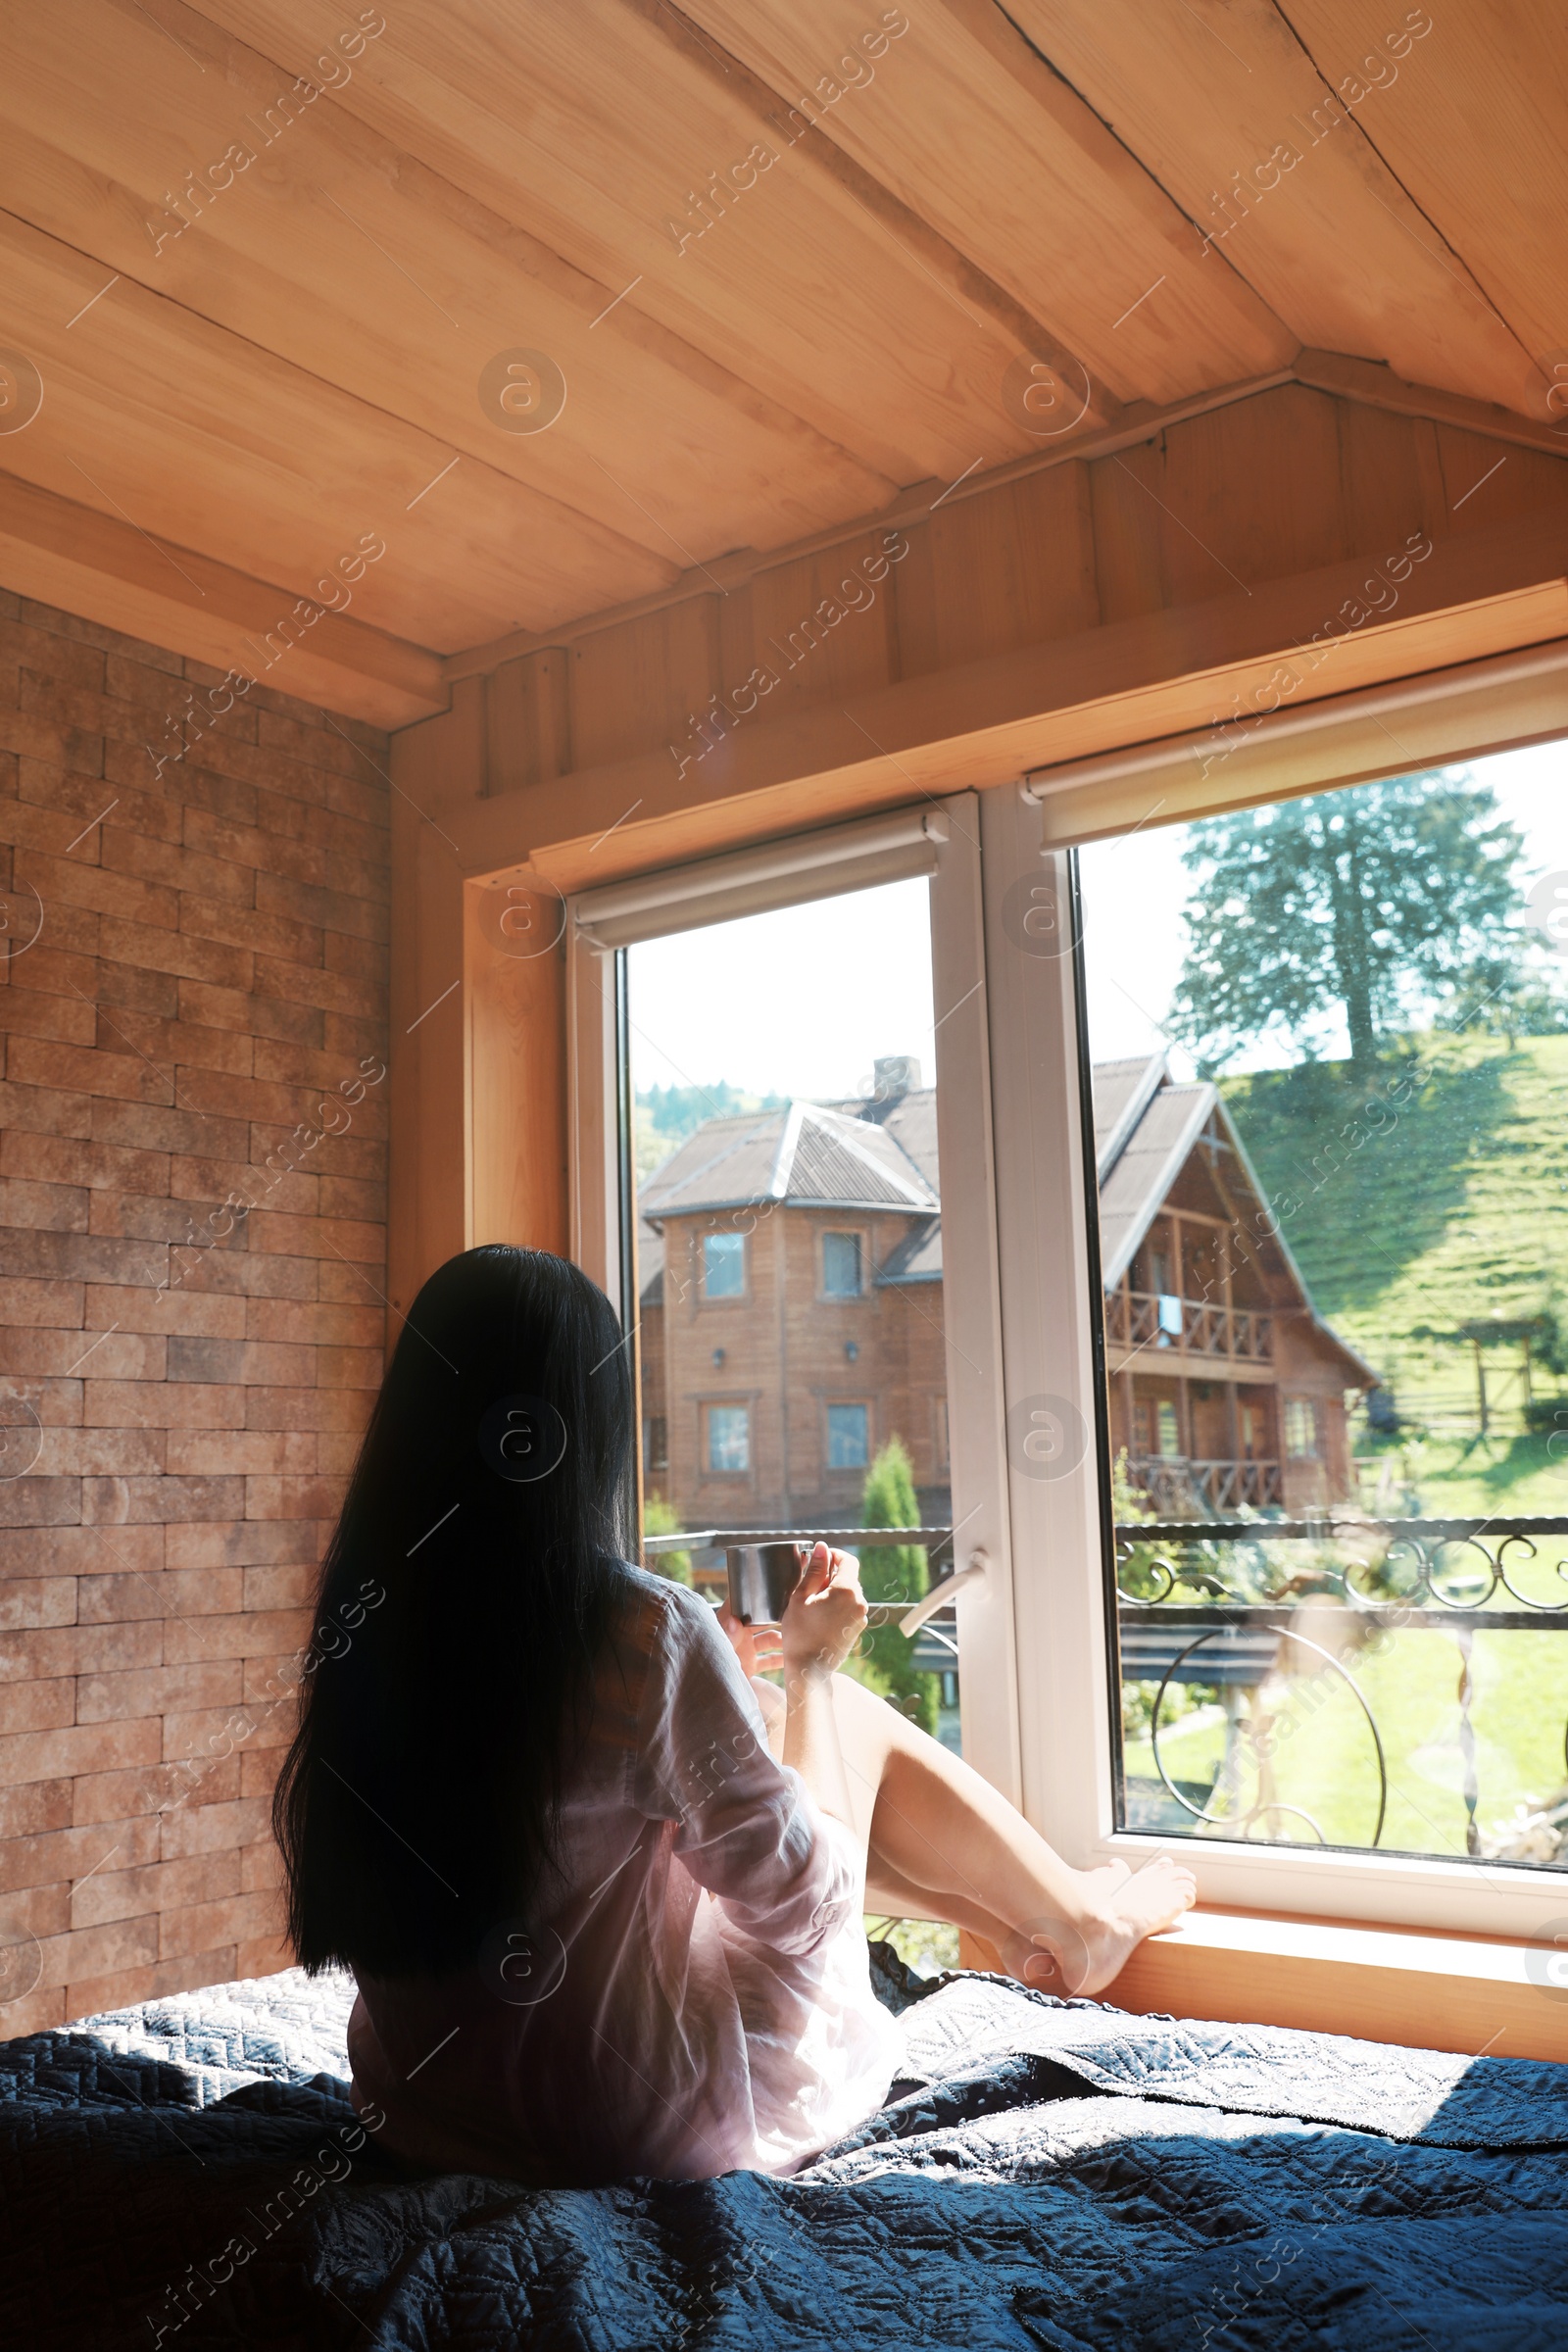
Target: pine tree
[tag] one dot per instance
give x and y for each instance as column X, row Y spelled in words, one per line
column 894, row 1573
column 1394, row 903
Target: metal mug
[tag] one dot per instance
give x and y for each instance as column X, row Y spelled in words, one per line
column 762, row 1578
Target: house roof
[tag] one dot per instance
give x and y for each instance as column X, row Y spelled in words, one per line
column 1145, row 1127
column 853, row 1156
column 809, row 1155
column 1150, row 1128
column 916, row 1256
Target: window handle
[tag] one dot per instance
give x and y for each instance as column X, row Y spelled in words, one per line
column 972, row 1573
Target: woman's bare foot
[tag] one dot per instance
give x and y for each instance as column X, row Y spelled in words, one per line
column 1120, row 1907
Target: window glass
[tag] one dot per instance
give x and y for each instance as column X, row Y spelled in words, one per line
column 783, row 1082
column 1328, row 1048
column 841, row 1265
column 1300, row 1428
column 847, row 1437
column 729, row 1436
column 724, row 1264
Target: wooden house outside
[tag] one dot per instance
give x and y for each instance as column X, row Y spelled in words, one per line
column 792, row 1311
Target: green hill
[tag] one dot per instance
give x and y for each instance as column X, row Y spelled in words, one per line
column 1435, row 1198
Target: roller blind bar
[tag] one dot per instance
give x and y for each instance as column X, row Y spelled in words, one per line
column 1439, row 716
column 808, row 865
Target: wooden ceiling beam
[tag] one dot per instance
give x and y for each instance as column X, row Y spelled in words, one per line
column 1363, row 382
column 1234, row 116
column 1378, row 387
column 71, row 556
column 1474, row 129
column 805, row 291
column 970, row 126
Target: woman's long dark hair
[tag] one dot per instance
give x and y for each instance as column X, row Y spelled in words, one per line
column 417, row 1807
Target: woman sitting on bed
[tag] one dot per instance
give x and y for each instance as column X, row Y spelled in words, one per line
column 602, row 1891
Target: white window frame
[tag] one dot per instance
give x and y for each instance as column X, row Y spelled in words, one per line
column 939, row 839
column 844, row 1233
column 1020, row 1266
column 1047, row 1258
column 708, row 1406
column 838, row 1404
column 737, row 1298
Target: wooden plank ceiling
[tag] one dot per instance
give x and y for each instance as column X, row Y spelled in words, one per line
column 229, row 407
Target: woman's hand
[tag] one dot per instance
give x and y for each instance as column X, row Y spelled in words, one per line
column 826, row 1613
column 758, row 1647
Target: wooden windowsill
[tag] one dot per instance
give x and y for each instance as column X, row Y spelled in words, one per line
column 1412, row 1986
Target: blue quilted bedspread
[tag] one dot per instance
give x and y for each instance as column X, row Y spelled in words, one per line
column 189, row 2172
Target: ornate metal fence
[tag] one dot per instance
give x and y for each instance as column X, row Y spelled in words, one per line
column 1273, row 1615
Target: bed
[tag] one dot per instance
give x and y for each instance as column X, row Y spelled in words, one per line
column 189, row 2172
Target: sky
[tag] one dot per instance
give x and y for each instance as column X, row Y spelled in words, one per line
column 798, row 1002
column 804, row 1000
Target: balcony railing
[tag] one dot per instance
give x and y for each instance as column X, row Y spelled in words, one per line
column 1143, row 1319
column 1181, row 1489
column 1277, row 1617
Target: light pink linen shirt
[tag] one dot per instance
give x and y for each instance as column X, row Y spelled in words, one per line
column 698, row 1997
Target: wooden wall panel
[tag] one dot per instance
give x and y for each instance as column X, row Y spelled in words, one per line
column 1382, row 492
column 646, row 680
column 1017, row 567
column 824, row 624
column 432, row 767
column 1285, row 450
column 1484, row 484
column 1128, row 526
column 518, row 1084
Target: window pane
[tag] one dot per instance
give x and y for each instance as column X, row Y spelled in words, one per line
column 729, row 1436
column 846, row 1437
column 790, row 1244
column 724, row 1264
column 841, row 1265
column 1329, row 1041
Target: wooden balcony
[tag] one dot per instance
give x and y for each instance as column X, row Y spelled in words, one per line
column 1181, row 1487
column 1140, row 1322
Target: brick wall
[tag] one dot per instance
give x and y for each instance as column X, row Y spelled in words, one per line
column 181, row 1385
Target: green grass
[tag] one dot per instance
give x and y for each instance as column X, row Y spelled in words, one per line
column 1324, row 1763
column 1453, row 1210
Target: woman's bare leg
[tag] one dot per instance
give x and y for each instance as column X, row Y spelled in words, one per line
column 937, row 1835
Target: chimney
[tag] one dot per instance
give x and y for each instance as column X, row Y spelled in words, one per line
column 896, row 1075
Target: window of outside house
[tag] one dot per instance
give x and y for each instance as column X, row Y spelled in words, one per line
column 729, row 1436
column 656, row 1441
column 841, row 1265
column 1327, row 1050
column 847, row 1437
column 1300, row 1428
column 724, row 1265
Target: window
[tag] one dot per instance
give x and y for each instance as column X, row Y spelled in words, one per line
column 1360, row 1192
column 724, row 1265
column 729, row 1436
column 781, row 1073
column 1300, row 1428
column 848, row 1440
column 656, row 1443
column 841, row 1265
column 1331, row 1166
